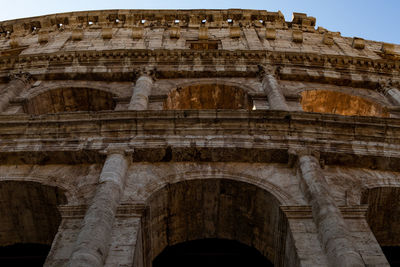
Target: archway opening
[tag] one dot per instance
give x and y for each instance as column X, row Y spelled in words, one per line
column 383, row 217
column 69, row 100
column 325, row 101
column 208, row 96
column 197, row 216
column 29, row 221
column 211, row 253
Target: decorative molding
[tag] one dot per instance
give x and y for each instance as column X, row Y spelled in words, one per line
column 187, row 56
column 123, row 210
column 305, row 212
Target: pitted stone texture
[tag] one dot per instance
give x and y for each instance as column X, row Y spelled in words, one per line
column 141, row 92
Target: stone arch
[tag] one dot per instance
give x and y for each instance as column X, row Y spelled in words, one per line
column 219, row 208
column 68, row 189
column 283, row 197
column 67, row 99
column 208, row 95
column 29, row 221
column 44, row 87
column 205, row 81
column 383, row 217
column 337, row 102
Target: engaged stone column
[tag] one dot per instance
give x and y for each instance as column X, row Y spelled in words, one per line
column 332, row 229
column 270, row 86
column 141, row 92
column 93, row 240
column 18, row 83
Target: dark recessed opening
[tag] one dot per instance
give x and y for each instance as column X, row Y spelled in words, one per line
column 210, row 253
column 33, row 255
column 392, row 254
column 203, row 45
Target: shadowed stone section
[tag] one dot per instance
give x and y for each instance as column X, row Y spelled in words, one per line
column 340, row 103
column 69, row 99
column 332, row 229
column 208, row 96
column 383, row 214
column 29, row 220
column 215, row 208
column 18, row 83
column 141, row 92
column 276, row 99
column 211, row 253
column 28, row 212
column 93, row 240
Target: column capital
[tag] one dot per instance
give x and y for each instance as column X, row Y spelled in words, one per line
column 25, row 77
column 124, row 151
column 296, row 153
column 267, row 70
column 385, row 85
column 146, row 72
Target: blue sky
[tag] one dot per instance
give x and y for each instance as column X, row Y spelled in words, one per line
column 370, row 19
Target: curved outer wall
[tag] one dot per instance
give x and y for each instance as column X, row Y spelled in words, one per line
column 82, row 101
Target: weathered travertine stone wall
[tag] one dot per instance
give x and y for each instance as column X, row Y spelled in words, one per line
column 150, row 128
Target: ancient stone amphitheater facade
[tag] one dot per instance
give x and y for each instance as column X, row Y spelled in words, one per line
column 126, row 135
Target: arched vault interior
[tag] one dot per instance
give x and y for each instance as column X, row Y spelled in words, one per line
column 207, row 96
column 214, row 209
column 383, row 217
column 325, row 101
column 68, row 100
column 29, row 221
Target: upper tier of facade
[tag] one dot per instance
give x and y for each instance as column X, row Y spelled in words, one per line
column 232, row 29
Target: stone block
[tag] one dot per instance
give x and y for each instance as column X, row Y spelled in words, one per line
column 77, row 34
column 43, row 37
column 234, row 32
column 175, row 32
column 297, row 36
column 203, row 33
column 358, row 43
column 106, row 33
column 137, row 32
column 388, row 49
column 328, row 38
column 14, row 43
column 270, row 33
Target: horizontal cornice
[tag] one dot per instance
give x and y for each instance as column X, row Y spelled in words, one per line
column 259, row 136
column 186, row 63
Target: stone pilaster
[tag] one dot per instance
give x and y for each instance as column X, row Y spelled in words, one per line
column 270, row 86
column 141, row 91
column 16, row 85
column 332, row 229
column 92, row 244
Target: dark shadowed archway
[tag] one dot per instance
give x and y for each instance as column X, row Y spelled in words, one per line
column 193, row 219
column 29, row 221
column 383, row 217
column 69, row 100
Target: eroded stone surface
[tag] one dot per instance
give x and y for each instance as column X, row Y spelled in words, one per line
column 201, row 109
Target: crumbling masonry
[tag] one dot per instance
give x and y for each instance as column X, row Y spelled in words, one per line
column 127, row 133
